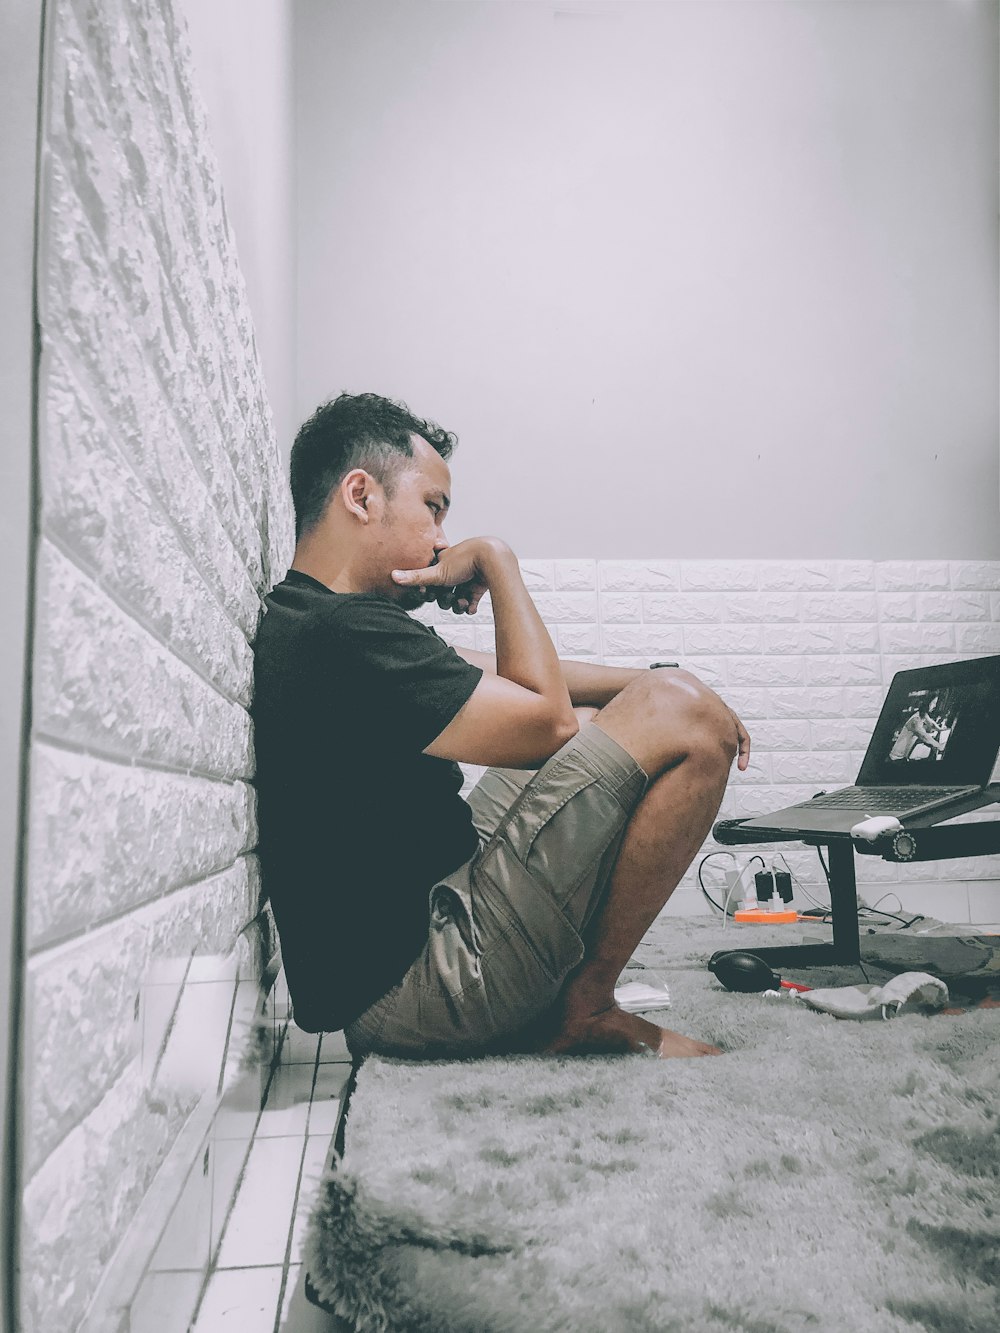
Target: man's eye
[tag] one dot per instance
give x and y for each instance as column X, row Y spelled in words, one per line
column 434, row 508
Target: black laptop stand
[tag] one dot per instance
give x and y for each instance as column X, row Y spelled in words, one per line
column 923, row 838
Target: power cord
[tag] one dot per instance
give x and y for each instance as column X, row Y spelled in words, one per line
column 724, row 907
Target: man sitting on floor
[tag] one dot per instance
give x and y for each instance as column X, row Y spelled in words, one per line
column 420, row 923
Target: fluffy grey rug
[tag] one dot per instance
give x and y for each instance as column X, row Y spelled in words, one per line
column 822, row 1175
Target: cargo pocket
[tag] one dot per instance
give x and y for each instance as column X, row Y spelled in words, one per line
column 453, row 944
column 544, row 930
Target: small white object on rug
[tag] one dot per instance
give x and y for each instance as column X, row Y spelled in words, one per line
column 635, row 997
column 873, row 1001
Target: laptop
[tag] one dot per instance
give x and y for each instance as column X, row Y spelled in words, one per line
column 935, row 741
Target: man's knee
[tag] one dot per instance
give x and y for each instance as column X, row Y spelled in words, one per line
column 670, row 715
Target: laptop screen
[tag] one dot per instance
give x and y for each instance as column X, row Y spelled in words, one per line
column 938, row 726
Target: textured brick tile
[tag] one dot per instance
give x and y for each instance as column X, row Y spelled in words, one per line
column 837, row 606
column 107, row 837
column 760, row 606
column 633, row 575
column 954, row 606
column 651, row 641
column 975, row 574
column 620, row 608
column 722, row 638
column 578, row 639
column 579, row 575
column 767, row 670
column 978, row 639
column 785, row 639
column 916, row 575
column 100, row 680
column 923, row 638
column 558, row 608
column 854, row 575
column 843, row 670
column 695, row 607
column 719, row 575
column 897, row 606
column 838, row 733
column 859, row 637
column 789, row 575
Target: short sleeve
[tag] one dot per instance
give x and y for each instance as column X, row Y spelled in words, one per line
column 414, row 680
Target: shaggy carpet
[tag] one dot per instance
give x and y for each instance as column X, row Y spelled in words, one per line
column 823, row 1175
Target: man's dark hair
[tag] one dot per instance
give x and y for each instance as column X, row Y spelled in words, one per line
column 355, row 430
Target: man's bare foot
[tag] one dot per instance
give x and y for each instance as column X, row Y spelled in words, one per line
column 617, row 1032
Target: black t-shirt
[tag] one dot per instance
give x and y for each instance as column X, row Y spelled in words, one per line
column 355, row 824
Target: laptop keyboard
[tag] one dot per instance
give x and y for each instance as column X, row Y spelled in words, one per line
column 885, row 798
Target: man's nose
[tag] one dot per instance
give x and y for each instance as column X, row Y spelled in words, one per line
column 441, row 544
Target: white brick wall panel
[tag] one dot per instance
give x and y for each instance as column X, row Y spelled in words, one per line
column 620, row 607
column 815, row 769
column 843, row 670
column 864, row 700
column 859, row 637
column 897, row 606
column 798, row 639
column 576, row 575
column 81, row 1025
column 787, row 575
column 918, row 638
column 637, row 575
column 711, row 670
column 802, row 703
column 81, row 1200
column 579, row 639
column 98, row 338
column 749, row 703
column 566, row 608
column 178, row 222
column 975, row 574
column 485, row 639
column 102, row 681
column 758, row 773
column 719, row 575
column 912, row 575
column 100, row 509
column 953, row 606
column 760, row 606
column 722, row 639
column 651, row 641
column 103, row 837
column 978, row 639
column 994, row 606
column 838, row 606
column 839, row 733
column 129, row 261
column 538, row 575
column 767, row 671
column 695, row 607
column 768, row 734
column 854, row 575
column 968, row 868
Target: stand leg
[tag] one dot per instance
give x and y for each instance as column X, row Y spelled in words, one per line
column 844, row 901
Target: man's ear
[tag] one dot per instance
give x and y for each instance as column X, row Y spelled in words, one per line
column 355, row 491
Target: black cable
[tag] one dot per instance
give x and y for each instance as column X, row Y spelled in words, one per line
column 701, row 883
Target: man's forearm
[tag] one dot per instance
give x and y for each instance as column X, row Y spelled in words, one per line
column 587, row 683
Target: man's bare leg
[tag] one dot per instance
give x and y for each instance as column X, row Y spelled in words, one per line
column 685, row 739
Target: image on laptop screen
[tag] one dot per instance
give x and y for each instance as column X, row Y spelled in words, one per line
column 925, row 724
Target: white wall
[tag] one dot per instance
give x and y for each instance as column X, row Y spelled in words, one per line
column 164, row 520
column 20, row 37
column 242, row 60
column 713, row 279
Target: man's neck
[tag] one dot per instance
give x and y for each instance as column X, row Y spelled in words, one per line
column 325, row 567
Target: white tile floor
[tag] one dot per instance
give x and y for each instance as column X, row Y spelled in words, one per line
column 248, row 1201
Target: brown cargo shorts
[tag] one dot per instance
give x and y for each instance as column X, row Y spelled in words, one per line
column 506, row 927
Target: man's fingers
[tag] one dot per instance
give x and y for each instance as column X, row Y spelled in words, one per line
column 431, row 575
column 743, row 738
